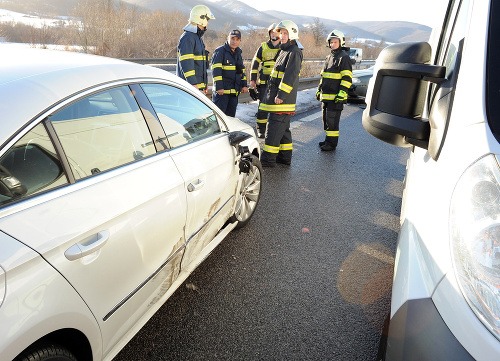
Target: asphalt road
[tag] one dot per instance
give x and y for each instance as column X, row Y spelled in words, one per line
column 310, row 277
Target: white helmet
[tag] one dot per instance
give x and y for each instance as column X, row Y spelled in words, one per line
column 200, row 14
column 291, row 27
column 336, row 34
column 271, row 27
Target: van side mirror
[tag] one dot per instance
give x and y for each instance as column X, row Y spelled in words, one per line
column 397, row 92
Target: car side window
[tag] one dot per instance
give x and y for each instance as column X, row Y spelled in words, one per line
column 29, row 167
column 184, row 117
column 102, row 131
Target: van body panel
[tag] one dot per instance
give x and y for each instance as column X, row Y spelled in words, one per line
column 446, row 295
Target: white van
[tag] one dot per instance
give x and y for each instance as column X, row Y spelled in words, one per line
column 442, row 100
column 356, row 55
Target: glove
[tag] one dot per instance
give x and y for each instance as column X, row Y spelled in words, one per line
column 341, row 97
column 254, row 94
column 318, row 95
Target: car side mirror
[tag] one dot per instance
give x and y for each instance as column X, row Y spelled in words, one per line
column 397, row 92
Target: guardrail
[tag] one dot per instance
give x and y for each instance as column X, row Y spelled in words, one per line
column 304, row 83
column 173, row 61
column 169, row 64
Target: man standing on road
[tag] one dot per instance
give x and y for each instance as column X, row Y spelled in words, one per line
column 336, row 79
column 192, row 62
column 280, row 97
column 264, row 59
column 229, row 74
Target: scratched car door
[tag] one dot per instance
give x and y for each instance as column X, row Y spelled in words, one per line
column 204, row 157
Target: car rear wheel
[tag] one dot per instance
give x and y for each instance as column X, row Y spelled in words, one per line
column 46, row 353
column 249, row 194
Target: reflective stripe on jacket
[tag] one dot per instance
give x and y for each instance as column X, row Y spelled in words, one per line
column 263, row 58
column 336, row 75
column 284, row 80
column 228, row 70
column 192, row 57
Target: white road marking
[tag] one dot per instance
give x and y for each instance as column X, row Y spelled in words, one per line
column 309, row 118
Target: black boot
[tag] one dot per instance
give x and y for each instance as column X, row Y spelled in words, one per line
column 328, row 147
column 267, row 164
column 283, row 161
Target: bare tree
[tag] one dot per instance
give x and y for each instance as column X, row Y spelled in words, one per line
column 117, row 29
column 104, row 25
column 156, row 34
column 318, row 30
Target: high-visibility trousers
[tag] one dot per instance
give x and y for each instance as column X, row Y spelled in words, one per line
column 261, row 114
column 278, row 141
column 331, row 121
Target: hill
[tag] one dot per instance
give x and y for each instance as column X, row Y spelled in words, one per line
column 234, row 13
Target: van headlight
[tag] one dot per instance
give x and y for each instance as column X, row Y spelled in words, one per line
column 475, row 239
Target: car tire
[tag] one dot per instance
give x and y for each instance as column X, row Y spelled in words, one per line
column 248, row 194
column 48, row 352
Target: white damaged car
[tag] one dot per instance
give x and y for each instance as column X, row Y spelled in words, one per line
column 116, row 181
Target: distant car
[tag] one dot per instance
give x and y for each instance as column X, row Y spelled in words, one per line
column 116, row 181
column 360, row 79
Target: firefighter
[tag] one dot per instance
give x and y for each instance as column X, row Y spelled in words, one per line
column 336, row 79
column 229, row 74
column 280, row 96
column 192, row 57
column 263, row 59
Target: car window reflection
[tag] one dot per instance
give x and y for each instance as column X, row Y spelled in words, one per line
column 29, row 167
column 103, row 131
column 183, row 117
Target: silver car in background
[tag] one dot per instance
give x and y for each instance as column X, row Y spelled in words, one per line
column 360, row 79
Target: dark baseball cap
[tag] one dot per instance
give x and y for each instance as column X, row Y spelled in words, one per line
column 236, row 33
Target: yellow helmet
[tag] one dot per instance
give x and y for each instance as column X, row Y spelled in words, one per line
column 200, row 14
column 291, row 27
column 336, row 34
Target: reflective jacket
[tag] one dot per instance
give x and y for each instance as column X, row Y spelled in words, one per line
column 192, row 57
column 284, row 80
column 263, row 58
column 228, row 70
column 336, row 75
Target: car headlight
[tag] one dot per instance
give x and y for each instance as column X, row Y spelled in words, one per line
column 475, row 239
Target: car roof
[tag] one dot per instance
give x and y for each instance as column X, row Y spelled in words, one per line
column 31, row 80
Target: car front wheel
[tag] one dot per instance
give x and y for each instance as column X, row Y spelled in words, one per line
column 249, row 193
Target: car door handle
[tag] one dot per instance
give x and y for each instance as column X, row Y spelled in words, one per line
column 195, row 185
column 87, row 246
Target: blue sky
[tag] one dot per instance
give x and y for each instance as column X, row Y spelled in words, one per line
column 425, row 12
